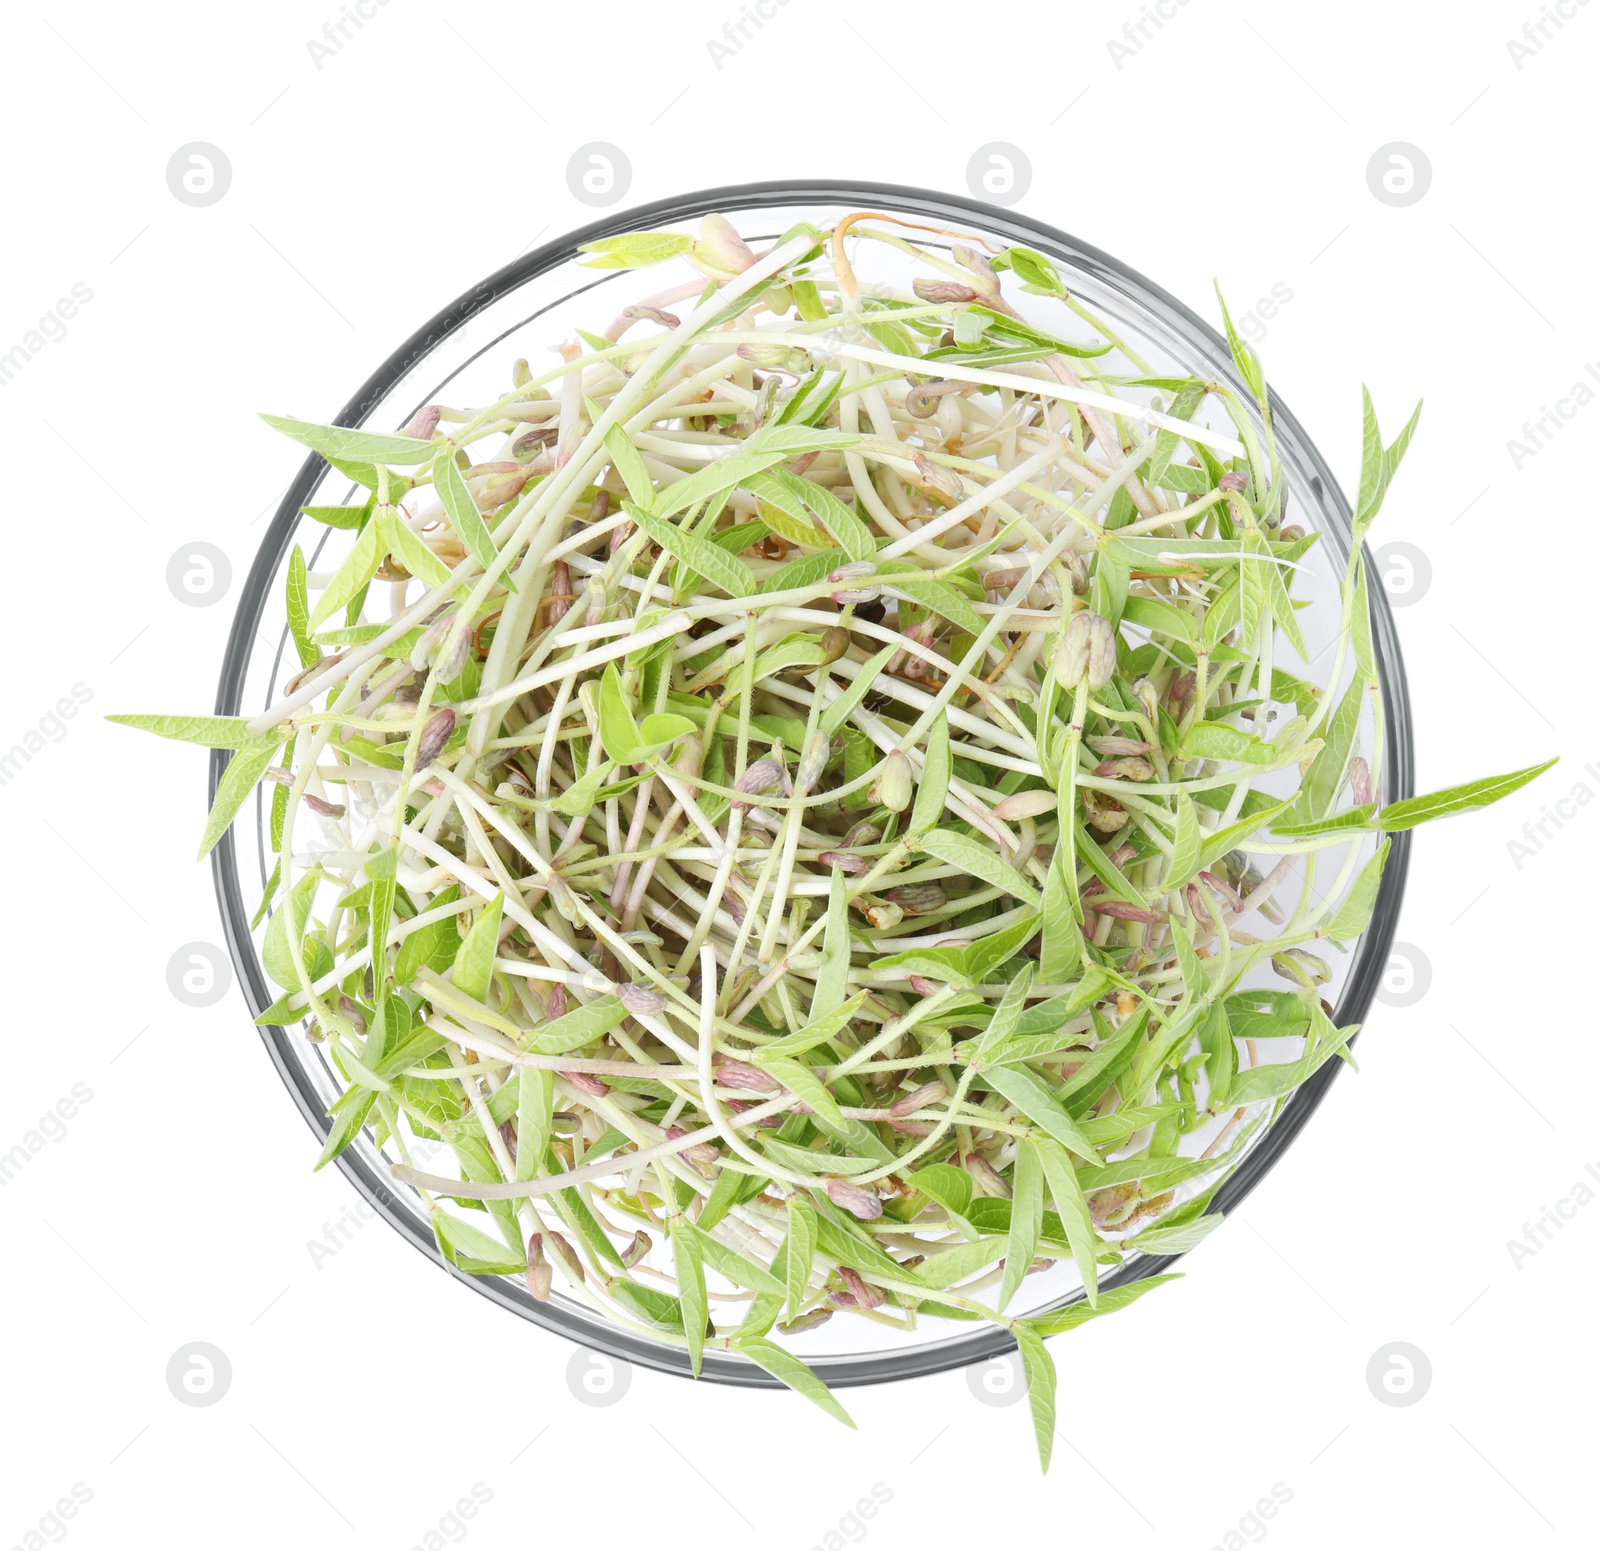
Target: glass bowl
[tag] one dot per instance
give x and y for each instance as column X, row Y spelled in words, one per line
column 462, row 355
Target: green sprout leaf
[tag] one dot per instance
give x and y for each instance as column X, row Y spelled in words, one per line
column 1378, row 463
column 1412, row 811
column 239, row 779
column 1029, row 1093
column 338, row 442
column 473, row 969
column 575, row 1029
column 688, row 1262
column 358, row 568
column 972, row 856
column 799, row 1252
column 298, row 610
column 636, row 250
column 700, row 555
column 1040, row 1374
column 1110, row 1302
column 212, row 732
column 1027, row 1218
column 626, row 741
column 785, row 1366
column 1353, row 915
column 935, row 783
column 1073, row 1210
column 462, row 513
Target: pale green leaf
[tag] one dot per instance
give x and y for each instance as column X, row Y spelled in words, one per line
column 853, row 693
column 1036, row 270
column 281, row 943
column 298, row 610
column 1195, row 981
column 709, row 560
column 796, row 651
column 634, row 250
column 1361, row 624
column 471, row 1249
column 688, row 1264
column 536, row 1087
column 337, row 516
column 1073, row 1209
column 396, row 537
column 1244, row 358
column 986, row 954
column 766, row 448
column 819, row 1030
column 850, row 533
column 939, row 596
column 1356, row 910
column 381, row 870
column 334, row 441
column 1034, row 1099
column 945, row 1183
column 801, row 1249
column 934, row 785
column 1061, row 940
column 212, row 732
column 1411, row 811
column 620, row 734
column 1216, row 1038
column 1177, row 1240
column 794, row 441
column 833, row 976
column 580, row 797
column 573, row 1030
column 348, row 1113
column 1219, row 842
column 805, row 1085
column 463, row 514
column 1111, row 1301
column 357, row 569
column 1004, row 1022
column 814, row 397
column 1185, row 862
column 629, row 463
column 1378, row 463
column 1277, row 596
column 1326, row 777
column 473, row 971
column 660, row 728
column 1108, row 1055
column 1040, row 1372
column 1027, row 1217
column 741, row 1269
column 784, row 512
column 950, row 1264
column 785, row 1366
column 244, row 770
column 973, row 856
column 1350, row 819
column 1213, row 740
column 1160, row 618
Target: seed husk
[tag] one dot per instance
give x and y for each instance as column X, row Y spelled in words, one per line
column 860, row 1203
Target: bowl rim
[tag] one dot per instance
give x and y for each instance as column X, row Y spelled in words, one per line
column 1365, row 971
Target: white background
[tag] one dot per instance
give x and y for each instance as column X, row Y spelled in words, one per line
column 369, row 1391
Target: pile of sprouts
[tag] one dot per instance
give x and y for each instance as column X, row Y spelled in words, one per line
column 815, row 806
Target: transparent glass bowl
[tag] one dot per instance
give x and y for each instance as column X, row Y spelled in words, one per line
column 463, row 356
